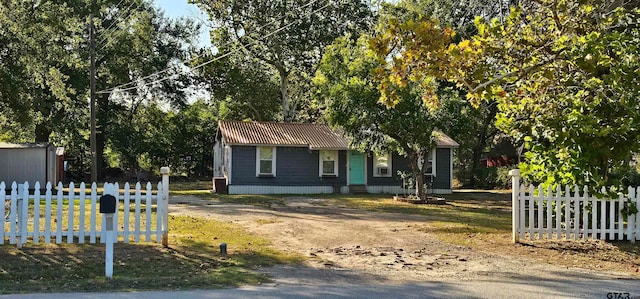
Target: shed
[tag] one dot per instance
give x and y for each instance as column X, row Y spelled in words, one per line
column 31, row 162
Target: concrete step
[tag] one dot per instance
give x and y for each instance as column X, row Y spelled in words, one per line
column 358, row 189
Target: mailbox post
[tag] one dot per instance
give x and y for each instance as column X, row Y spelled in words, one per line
column 108, row 208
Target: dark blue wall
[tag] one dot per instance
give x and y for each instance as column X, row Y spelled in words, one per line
column 298, row 166
column 398, row 163
column 443, row 169
column 440, row 181
column 295, row 166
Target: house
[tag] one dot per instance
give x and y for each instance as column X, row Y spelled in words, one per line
column 295, row 158
column 502, row 153
column 31, row 162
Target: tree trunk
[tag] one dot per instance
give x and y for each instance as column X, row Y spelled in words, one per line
column 604, row 168
column 486, row 133
column 102, row 115
column 287, row 113
column 418, row 174
column 42, row 132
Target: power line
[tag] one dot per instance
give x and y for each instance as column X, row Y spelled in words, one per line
column 198, row 56
column 126, row 15
column 115, row 21
column 109, row 90
column 118, row 5
column 111, row 12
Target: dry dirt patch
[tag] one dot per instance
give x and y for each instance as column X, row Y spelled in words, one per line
column 396, row 246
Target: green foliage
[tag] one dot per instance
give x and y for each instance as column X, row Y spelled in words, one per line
column 287, row 36
column 627, row 176
column 44, row 61
column 40, row 63
column 132, row 119
column 492, row 177
column 569, row 92
column 194, row 139
column 240, row 88
column 152, row 138
column 630, row 208
column 456, row 14
column 417, row 56
column 563, row 75
column 347, row 86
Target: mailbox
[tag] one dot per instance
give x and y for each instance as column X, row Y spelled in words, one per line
column 107, row 204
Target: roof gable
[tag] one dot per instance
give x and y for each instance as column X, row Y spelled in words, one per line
column 444, row 141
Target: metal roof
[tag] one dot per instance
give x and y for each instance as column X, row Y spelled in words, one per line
column 443, row 140
column 24, row 145
column 314, row 136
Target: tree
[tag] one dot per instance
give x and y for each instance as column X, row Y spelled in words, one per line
column 194, row 139
column 44, row 62
column 346, row 83
column 136, row 44
column 40, row 63
column 565, row 79
column 473, row 127
column 240, row 88
column 288, row 36
column 458, row 15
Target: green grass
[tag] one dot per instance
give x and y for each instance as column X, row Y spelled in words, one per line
column 193, row 260
column 190, row 188
column 460, row 213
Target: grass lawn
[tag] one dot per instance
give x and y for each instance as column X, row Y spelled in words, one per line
column 193, row 260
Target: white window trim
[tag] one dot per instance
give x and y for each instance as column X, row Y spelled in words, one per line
column 433, row 164
column 273, row 162
column 335, row 165
column 230, row 157
column 375, row 167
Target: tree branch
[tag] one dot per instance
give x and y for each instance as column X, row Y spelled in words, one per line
column 522, row 72
column 556, row 19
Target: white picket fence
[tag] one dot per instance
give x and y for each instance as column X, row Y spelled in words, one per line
column 72, row 215
column 571, row 214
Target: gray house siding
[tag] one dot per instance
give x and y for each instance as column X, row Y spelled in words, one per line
column 442, row 180
column 295, row 166
column 398, row 163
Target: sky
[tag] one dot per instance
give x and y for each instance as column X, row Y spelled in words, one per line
column 180, row 8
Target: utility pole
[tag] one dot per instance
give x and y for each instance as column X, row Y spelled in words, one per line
column 92, row 83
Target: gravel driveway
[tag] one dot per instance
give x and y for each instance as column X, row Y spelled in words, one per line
column 355, row 246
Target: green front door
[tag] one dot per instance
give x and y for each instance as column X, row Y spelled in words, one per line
column 356, row 168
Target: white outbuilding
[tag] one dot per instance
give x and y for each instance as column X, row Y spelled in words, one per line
column 31, row 162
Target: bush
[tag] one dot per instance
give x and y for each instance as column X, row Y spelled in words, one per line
column 493, row 178
column 628, row 176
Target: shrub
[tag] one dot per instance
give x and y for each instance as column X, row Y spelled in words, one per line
column 493, row 178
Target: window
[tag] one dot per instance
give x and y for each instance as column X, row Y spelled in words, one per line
column 430, row 165
column 382, row 165
column 328, row 163
column 266, row 161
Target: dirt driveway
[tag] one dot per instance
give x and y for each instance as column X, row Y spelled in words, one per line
column 368, row 245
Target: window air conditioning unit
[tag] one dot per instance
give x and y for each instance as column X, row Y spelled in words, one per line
column 383, row 170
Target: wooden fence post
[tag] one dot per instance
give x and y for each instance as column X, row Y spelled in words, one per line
column 515, row 203
column 165, row 205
